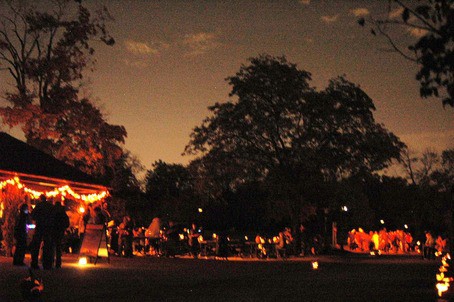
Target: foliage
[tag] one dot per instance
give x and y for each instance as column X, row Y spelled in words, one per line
column 169, row 188
column 45, row 54
column 124, row 174
column 282, row 131
column 430, row 191
column 12, row 198
column 431, row 21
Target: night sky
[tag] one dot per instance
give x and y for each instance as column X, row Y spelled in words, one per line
column 172, row 57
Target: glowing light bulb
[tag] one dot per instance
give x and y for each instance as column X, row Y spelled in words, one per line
column 83, row 261
column 314, row 265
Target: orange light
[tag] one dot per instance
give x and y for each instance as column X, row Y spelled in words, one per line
column 315, row 265
column 63, row 190
column 83, row 261
column 442, row 287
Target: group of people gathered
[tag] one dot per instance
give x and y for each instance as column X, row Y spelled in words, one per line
column 50, row 221
column 396, row 242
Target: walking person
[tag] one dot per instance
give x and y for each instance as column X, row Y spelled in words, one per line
column 43, row 215
column 20, row 235
column 61, row 223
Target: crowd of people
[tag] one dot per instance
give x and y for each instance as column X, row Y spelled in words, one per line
column 54, row 234
column 51, row 221
column 398, row 241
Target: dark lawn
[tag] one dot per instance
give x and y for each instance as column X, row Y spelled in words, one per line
column 340, row 278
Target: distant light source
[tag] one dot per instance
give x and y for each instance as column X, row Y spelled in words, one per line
column 246, row 238
column 200, row 210
column 31, row 226
column 315, row 265
column 344, row 208
column 405, row 226
column 83, row 261
column 382, row 221
column 81, row 210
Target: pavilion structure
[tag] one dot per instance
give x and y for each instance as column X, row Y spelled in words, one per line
column 36, row 173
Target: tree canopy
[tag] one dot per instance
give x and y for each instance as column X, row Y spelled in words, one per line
column 170, row 190
column 45, row 53
column 279, row 127
column 431, row 23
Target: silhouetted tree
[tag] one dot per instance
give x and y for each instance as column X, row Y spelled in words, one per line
column 279, row 128
column 169, row 188
column 432, row 23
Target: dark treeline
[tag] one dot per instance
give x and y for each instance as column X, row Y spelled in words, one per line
column 281, row 153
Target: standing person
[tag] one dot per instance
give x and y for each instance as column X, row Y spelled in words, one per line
column 43, row 215
column 429, row 247
column 20, row 235
column 194, row 241
column 99, row 217
column 126, row 236
column 222, row 249
column 289, row 241
column 61, row 223
column 303, row 240
column 105, row 212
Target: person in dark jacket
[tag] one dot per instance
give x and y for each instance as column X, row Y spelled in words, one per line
column 61, row 223
column 43, row 215
column 20, row 235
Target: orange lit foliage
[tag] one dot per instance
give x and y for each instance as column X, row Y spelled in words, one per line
column 11, row 197
column 46, row 56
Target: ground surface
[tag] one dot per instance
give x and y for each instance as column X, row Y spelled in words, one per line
column 339, row 278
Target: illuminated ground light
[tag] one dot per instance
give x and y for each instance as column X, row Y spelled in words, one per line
column 443, row 282
column 441, row 288
column 83, row 261
column 315, row 265
column 103, row 252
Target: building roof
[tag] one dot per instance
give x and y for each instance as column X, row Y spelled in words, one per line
column 19, row 158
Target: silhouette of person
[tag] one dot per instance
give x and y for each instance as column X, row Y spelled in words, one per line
column 126, row 236
column 20, row 235
column 194, row 241
column 61, row 223
column 43, row 215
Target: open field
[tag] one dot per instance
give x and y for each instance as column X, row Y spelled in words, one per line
column 339, row 278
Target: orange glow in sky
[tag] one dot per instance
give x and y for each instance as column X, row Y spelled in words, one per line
column 171, row 59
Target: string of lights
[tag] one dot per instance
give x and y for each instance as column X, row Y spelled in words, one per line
column 64, row 191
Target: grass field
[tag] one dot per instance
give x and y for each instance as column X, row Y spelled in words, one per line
column 339, row 278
